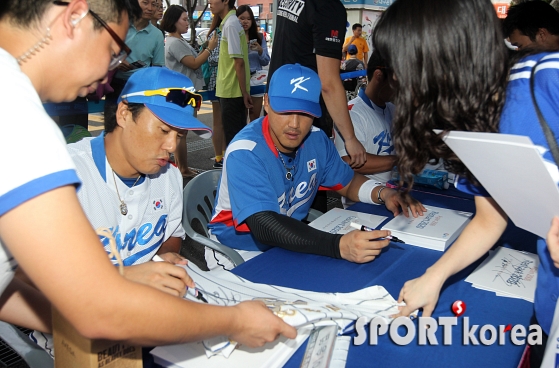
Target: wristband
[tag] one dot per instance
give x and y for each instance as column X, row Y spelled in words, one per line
column 208, row 50
column 366, row 191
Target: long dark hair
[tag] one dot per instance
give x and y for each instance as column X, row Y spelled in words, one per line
column 449, row 65
column 171, row 17
column 252, row 31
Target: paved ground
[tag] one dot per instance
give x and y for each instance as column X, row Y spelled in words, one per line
column 200, row 157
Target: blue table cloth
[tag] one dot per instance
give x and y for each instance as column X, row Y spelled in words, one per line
column 392, row 269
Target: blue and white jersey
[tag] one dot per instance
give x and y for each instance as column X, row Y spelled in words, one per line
column 33, row 150
column 519, row 117
column 154, row 203
column 254, row 180
column 373, row 128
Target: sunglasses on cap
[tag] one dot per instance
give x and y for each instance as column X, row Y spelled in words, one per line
column 178, row 96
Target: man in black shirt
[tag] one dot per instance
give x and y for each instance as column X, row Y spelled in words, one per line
column 312, row 34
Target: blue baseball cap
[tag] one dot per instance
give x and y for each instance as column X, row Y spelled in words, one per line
column 295, row 88
column 352, row 49
column 148, row 86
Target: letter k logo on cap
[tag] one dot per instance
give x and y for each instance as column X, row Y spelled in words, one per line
column 298, row 82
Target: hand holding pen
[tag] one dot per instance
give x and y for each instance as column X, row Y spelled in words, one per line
column 190, row 288
column 363, row 246
column 366, row 228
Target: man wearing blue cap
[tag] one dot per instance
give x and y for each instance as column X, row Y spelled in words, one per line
column 284, row 160
column 129, row 185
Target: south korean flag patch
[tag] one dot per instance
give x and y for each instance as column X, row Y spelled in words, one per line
column 311, row 165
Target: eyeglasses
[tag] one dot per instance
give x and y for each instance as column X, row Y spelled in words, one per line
column 178, row 96
column 116, row 59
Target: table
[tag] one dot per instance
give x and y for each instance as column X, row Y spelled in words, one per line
column 391, row 269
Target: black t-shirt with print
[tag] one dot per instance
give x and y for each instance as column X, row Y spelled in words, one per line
column 306, row 28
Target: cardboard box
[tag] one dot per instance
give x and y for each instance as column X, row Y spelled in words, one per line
column 72, row 350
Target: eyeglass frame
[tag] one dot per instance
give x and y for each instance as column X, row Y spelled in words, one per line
column 116, row 59
column 161, row 91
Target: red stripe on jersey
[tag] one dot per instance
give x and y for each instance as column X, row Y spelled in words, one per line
column 243, row 228
column 268, row 137
column 335, row 187
column 350, row 107
column 223, row 217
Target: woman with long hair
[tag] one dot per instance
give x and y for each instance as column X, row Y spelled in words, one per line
column 257, row 56
column 449, row 67
column 181, row 57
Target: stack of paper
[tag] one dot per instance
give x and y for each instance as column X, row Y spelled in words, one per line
column 336, row 221
column 436, row 229
column 508, row 272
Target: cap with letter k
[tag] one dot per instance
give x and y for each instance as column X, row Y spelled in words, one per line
column 295, row 88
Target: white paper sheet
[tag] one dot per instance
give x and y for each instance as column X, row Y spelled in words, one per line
column 508, row 272
column 337, row 220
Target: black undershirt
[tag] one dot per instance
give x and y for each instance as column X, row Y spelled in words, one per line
column 276, row 230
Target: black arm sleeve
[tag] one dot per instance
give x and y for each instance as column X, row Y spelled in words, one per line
column 272, row 229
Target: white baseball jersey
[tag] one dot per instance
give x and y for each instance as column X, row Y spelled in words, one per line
column 373, row 128
column 32, row 148
column 154, row 204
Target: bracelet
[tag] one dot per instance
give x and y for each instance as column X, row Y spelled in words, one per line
column 208, row 50
column 381, row 201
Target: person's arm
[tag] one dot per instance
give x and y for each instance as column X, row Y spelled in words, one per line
column 365, row 59
column 23, row 305
column 392, row 199
column 334, row 96
column 196, row 62
column 63, row 252
column 375, row 164
column 263, row 55
column 241, row 78
column 478, row 237
column 277, row 230
column 348, row 42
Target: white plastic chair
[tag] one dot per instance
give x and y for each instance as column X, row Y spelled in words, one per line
column 198, row 202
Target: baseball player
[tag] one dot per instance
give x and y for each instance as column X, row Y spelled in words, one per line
column 129, row 185
column 284, row 160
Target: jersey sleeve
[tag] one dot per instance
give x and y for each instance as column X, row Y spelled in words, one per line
column 42, row 163
column 249, row 194
column 329, row 20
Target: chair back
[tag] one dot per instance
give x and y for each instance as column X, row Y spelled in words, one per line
column 198, row 204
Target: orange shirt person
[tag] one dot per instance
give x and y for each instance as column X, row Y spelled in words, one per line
column 359, row 42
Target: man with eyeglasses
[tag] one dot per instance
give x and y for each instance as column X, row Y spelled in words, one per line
column 55, row 53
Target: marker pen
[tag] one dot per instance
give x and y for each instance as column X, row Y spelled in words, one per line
column 366, row 228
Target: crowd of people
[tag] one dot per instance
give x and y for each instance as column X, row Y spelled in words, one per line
column 123, row 179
